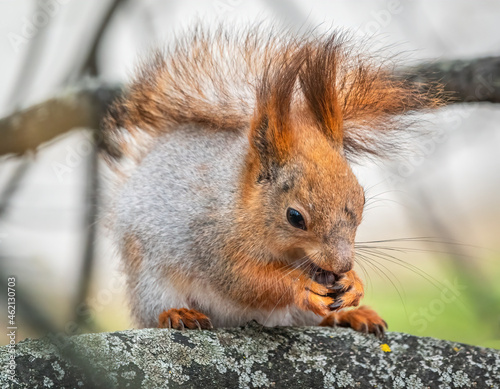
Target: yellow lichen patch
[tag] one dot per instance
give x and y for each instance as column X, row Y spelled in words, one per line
column 456, row 349
column 385, row 348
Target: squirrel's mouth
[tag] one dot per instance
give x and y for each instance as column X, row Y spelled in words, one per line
column 324, row 277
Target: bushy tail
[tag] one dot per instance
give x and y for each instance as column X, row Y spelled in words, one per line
column 214, row 79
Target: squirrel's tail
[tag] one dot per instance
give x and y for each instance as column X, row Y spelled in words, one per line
column 206, row 78
column 214, row 79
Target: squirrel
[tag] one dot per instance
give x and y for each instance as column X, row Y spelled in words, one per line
column 234, row 197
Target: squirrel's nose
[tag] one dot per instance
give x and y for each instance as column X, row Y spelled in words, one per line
column 344, row 267
column 345, row 256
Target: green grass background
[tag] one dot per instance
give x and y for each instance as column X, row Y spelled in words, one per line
column 413, row 302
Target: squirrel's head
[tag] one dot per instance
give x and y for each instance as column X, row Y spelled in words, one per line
column 311, row 201
column 315, row 108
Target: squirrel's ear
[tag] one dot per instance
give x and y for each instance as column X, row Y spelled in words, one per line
column 269, row 141
column 270, row 146
column 270, row 129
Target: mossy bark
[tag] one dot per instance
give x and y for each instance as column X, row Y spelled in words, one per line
column 249, row 357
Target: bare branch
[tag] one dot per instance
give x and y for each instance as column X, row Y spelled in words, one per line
column 76, row 107
column 468, row 81
column 90, row 63
column 28, row 70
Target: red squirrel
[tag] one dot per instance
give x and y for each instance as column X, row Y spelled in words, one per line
column 234, row 196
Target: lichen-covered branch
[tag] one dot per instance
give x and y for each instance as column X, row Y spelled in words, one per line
column 250, row 357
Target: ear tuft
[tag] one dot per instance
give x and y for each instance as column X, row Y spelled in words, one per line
column 318, row 79
column 270, row 129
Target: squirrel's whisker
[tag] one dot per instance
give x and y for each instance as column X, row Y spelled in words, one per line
column 390, row 258
column 375, row 265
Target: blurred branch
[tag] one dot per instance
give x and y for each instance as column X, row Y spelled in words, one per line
column 26, row 74
column 13, row 185
column 76, row 107
column 470, row 81
column 37, row 318
column 89, row 66
column 90, row 226
column 24, row 79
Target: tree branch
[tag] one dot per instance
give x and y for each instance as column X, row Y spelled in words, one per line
column 90, row 63
column 249, row 357
column 468, row 81
column 75, row 107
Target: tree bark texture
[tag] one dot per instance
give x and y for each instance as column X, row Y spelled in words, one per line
column 249, row 357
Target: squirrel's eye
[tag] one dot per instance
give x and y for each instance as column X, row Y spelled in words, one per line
column 295, row 218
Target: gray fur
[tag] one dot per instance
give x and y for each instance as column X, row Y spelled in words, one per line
column 179, row 202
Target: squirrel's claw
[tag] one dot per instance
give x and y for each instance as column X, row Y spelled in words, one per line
column 362, row 319
column 347, row 291
column 320, row 299
column 314, row 297
column 379, row 331
column 336, row 305
column 183, row 318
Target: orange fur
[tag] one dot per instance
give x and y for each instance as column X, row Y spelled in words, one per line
column 358, row 100
column 182, row 318
column 362, row 319
column 132, row 253
column 352, row 289
column 274, row 285
column 307, row 105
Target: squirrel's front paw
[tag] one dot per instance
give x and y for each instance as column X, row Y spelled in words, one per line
column 362, row 319
column 314, row 297
column 347, row 291
column 182, row 318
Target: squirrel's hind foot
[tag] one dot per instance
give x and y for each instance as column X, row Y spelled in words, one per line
column 362, row 319
column 183, row 318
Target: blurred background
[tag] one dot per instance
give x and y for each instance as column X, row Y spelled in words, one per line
column 429, row 244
